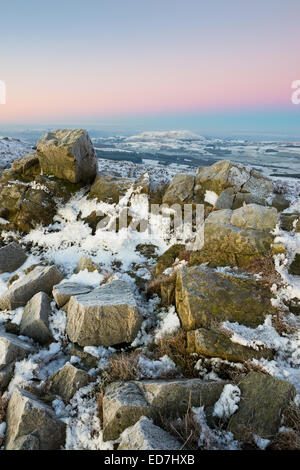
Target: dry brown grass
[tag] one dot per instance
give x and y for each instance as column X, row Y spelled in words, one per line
column 122, row 367
column 266, row 267
column 289, row 440
column 154, row 286
column 175, row 346
column 100, row 406
column 281, row 326
column 3, row 407
column 186, row 429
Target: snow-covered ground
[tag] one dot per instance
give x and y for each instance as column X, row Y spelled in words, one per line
column 12, row 149
column 68, row 238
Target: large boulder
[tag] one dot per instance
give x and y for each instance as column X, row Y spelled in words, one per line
column 180, row 190
column 65, row 290
column 35, row 318
column 26, row 205
column 106, row 316
column 109, row 189
column 67, row 380
column 68, row 154
column 214, row 343
column 236, row 237
column 236, row 184
column 263, row 399
column 40, row 279
column 144, row 435
column 12, row 256
column 28, row 416
column 123, row 405
column 205, row 296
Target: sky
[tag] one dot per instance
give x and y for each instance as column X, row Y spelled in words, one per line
column 216, row 67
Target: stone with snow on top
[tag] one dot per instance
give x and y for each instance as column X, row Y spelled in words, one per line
column 109, row 188
column 263, row 400
column 12, row 348
column 40, row 279
column 67, row 380
column 205, row 296
column 123, row 405
column 68, row 154
column 86, row 263
column 63, row 292
column 214, row 343
column 246, row 185
column 144, row 435
column 234, row 238
column 27, row 415
column 35, row 318
column 180, row 190
column 12, row 256
column 106, row 316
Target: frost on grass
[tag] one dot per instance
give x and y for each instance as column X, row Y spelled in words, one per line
column 227, row 404
column 168, row 323
column 81, row 416
column 213, row 439
column 152, row 369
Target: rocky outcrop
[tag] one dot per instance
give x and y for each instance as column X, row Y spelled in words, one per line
column 205, row 296
column 35, row 318
column 67, row 380
column 41, row 279
column 12, row 256
column 236, row 237
column 263, row 400
column 144, row 435
column 180, row 190
column 213, row 343
column 125, row 403
column 65, row 290
column 68, row 154
column 109, row 189
column 106, row 316
column 236, row 184
column 27, row 416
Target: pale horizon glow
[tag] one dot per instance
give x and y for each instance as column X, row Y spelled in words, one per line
column 109, row 59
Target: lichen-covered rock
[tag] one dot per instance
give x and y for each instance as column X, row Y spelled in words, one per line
column 294, row 267
column 236, row 237
column 237, row 184
column 41, row 279
column 68, row 154
column 167, row 259
column 27, row 415
column 173, row 397
column 35, row 318
column 109, row 189
column 213, row 343
column 144, row 435
column 64, row 291
column 180, row 190
column 204, row 296
column 27, row 166
column 263, row 399
column 290, row 220
column 12, row 256
column 123, row 405
column 106, row 316
column 67, row 380
column 12, row 348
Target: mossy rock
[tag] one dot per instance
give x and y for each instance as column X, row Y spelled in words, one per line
column 214, row 343
column 109, row 189
column 167, row 259
column 295, row 265
column 205, row 297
